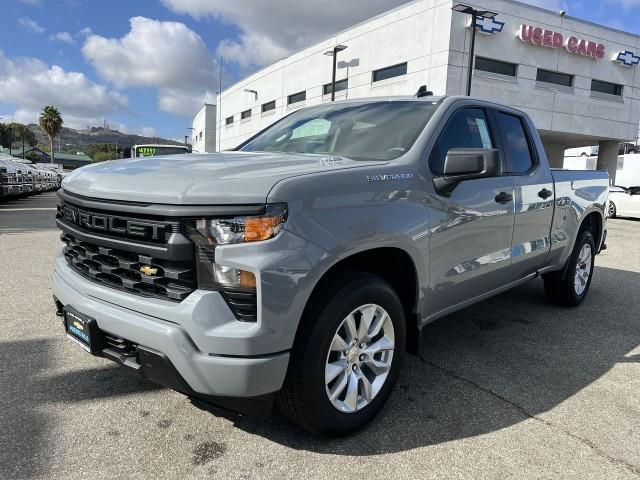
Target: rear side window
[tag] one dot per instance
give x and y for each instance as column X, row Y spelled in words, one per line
column 468, row 128
column 514, row 140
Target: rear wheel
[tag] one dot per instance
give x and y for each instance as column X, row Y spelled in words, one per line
column 346, row 357
column 612, row 209
column 570, row 286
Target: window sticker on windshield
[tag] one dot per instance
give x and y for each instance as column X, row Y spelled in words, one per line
column 484, row 132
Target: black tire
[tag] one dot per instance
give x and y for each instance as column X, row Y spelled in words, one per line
column 612, row 210
column 560, row 286
column 303, row 398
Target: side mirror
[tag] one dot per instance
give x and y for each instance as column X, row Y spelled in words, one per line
column 467, row 164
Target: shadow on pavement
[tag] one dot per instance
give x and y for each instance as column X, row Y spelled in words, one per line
column 491, row 366
column 25, row 431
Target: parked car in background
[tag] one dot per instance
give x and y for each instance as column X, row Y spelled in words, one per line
column 591, row 151
column 627, row 147
column 624, row 202
column 20, row 178
column 10, row 183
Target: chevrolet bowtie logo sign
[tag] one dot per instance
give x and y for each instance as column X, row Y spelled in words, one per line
column 489, row 25
column 627, row 58
column 148, row 270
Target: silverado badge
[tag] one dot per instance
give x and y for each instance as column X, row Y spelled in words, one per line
column 148, row 270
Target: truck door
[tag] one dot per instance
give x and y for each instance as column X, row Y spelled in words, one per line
column 534, row 193
column 471, row 228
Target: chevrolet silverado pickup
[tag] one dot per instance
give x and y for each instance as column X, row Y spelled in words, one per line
column 300, row 267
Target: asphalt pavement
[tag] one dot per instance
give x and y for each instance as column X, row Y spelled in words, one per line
column 511, row 388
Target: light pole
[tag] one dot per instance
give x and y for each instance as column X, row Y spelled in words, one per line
column 466, row 9
column 192, row 140
column 334, row 53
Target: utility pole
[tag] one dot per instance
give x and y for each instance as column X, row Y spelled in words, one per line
column 219, row 108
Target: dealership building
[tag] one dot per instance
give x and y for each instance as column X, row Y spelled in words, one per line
column 576, row 79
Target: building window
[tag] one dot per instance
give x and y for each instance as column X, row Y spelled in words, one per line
column 229, row 120
column 556, row 78
column 267, row 107
column 606, row 87
column 246, row 114
column 390, row 72
column 296, row 97
column 496, row 66
column 340, row 85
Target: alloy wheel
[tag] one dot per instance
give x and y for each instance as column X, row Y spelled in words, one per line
column 359, row 358
column 583, row 269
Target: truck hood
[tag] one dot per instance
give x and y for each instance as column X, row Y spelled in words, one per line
column 199, row 179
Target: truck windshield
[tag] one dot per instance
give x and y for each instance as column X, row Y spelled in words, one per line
column 381, row 130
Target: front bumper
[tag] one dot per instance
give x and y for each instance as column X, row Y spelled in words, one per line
column 205, row 374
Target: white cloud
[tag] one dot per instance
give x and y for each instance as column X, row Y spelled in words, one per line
column 30, row 25
column 626, row 4
column 32, row 3
column 64, row 37
column 147, row 132
column 268, row 33
column 166, row 55
column 31, row 84
column 85, row 32
column 252, row 49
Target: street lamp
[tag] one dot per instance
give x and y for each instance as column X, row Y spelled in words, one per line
column 192, row 139
column 466, row 9
column 334, row 53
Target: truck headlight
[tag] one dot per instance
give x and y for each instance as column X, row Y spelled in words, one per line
column 238, row 287
column 254, row 228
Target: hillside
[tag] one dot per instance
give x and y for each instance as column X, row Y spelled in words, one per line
column 70, row 138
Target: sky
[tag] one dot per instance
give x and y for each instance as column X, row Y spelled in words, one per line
column 147, row 66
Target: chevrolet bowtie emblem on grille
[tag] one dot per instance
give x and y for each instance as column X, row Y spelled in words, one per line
column 147, row 270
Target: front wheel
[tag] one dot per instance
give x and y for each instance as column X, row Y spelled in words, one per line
column 571, row 288
column 612, row 209
column 346, row 357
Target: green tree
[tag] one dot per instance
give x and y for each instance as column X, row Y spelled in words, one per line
column 103, row 156
column 51, row 123
column 5, row 135
column 24, row 134
column 100, row 152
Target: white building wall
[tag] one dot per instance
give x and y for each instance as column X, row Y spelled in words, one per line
column 575, row 112
column 416, row 33
column 203, row 133
column 434, row 42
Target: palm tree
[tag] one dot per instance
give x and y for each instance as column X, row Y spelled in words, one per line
column 51, row 122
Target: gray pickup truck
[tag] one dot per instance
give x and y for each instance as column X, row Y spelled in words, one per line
column 302, row 266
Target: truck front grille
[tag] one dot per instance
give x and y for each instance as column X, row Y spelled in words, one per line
column 129, row 271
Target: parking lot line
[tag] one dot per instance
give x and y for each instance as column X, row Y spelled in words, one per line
column 24, row 209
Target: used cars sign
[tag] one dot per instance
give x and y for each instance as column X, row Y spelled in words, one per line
column 549, row 38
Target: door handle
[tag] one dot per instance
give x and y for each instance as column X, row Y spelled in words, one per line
column 544, row 193
column 503, row 197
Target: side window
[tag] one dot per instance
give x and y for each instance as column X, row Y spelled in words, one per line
column 514, row 140
column 468, row 128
